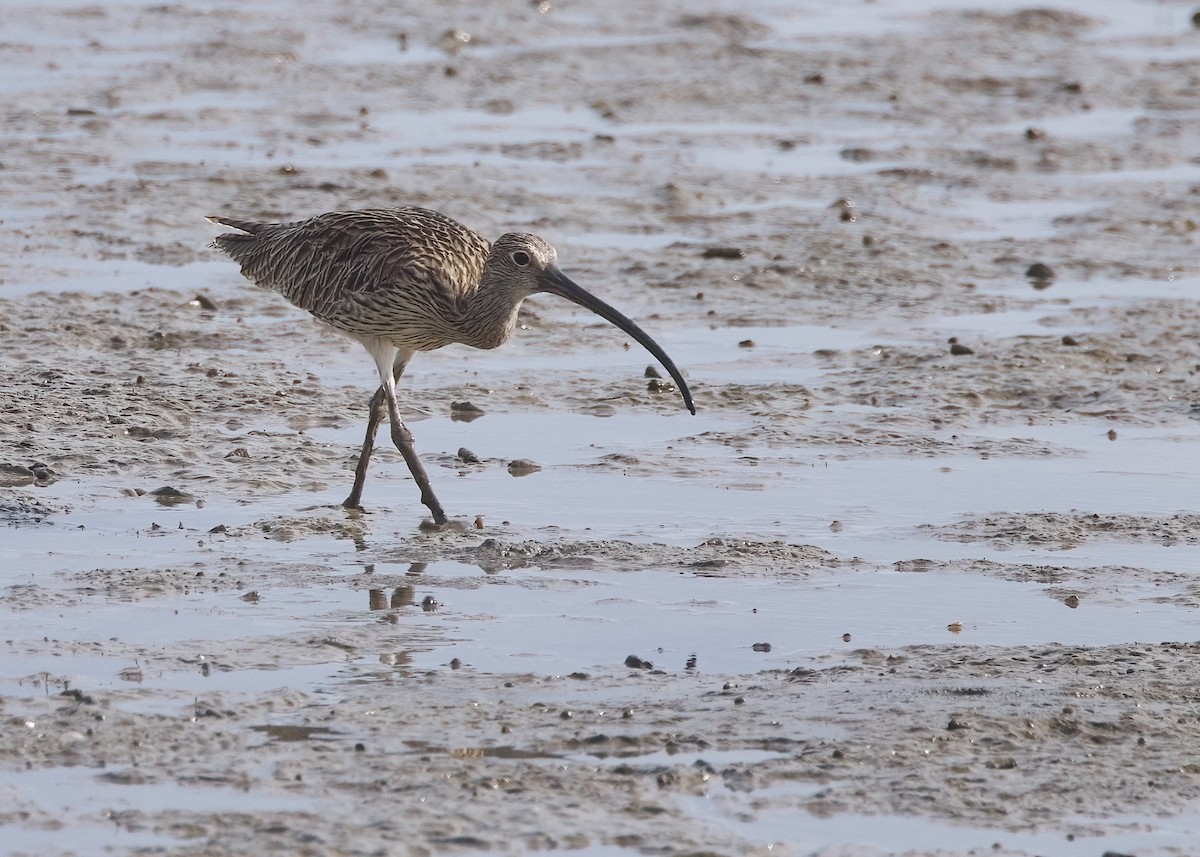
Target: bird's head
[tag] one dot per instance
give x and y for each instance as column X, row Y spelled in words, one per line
column 530, row 265
column 523, row 261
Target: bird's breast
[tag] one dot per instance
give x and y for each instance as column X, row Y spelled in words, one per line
column 413, row 319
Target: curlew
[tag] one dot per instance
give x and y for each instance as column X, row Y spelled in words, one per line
column 403, row 280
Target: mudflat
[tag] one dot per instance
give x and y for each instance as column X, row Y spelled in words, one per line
column 920, row 577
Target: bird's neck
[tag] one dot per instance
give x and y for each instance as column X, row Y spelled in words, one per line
column 489, row 316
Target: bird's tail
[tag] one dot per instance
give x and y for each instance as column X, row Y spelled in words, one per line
column 248, row 226
column 233, row 242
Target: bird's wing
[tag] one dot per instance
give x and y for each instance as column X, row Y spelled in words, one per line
column 338, row 264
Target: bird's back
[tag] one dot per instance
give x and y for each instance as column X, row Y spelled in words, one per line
column 401, row 273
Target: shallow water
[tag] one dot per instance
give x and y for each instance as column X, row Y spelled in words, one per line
column 881, row 598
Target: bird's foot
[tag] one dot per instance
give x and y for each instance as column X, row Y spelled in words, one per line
column 431, row 503
column 429, row 525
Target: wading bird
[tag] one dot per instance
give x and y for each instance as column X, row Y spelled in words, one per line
column 403, row 280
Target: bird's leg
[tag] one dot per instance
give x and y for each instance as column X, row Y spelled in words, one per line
column 378, row 410
column 403, row 439
column 390, row 362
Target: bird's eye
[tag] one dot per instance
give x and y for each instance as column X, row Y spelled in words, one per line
column 520, row 258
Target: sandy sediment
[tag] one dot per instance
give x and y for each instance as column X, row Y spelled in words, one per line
column 809, row 219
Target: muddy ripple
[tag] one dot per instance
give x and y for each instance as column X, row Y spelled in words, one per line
column 1068, row 530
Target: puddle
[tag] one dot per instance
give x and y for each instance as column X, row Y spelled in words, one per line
column 94, row 836
column 704, row 759
column 1011, row 219
column 99, row 811
column 797, row 828
column 549, row 623
column 712, row 624
column 64, row 791
column 1089, row 124
column 152, row 687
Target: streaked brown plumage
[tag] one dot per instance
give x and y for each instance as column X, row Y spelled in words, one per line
column 403, row 280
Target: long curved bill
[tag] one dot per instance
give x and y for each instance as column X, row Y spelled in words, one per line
column 555, row 282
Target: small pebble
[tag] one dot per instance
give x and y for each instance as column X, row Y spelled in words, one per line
column 1070, row 340
column 464, row 412
column 168, row 496
column 724, row 253
column 857, row 154
column 454, row 40
column 845, row 207
column 522, row 467
column 16, row 475
column 957, row 348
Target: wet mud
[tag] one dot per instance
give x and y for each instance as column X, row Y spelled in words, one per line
column 919, row 578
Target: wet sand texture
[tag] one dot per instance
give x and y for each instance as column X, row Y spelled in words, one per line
column 919, row 577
